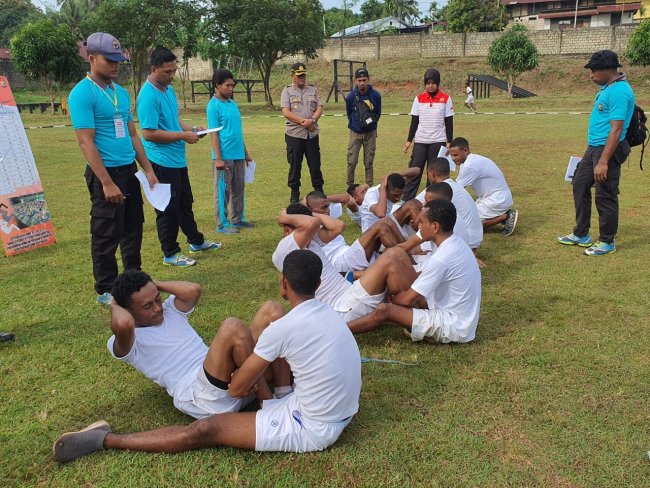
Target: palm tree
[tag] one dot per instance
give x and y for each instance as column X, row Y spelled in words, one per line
column 402, row 9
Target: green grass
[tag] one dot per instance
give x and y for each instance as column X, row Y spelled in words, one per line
column 553, row 392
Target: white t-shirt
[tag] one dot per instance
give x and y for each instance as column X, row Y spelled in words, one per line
column 368, row 218
column 333, row 286
column 168, row 354
column 432, row 113
column 354, row 216
column 466, row 209
column 460, row 229
column 485, row 178
column 323, row 357
column 469, row 90
column 451, row 281
column 334, row 246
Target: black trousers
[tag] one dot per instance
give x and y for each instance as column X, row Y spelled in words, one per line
column 296, row 149
column 114, row 225
column 606, row 193
column 179, row 211
column 421, row 153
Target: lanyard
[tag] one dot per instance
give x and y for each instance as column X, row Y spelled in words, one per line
column 113, row 100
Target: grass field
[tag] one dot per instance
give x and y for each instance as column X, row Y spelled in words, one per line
column 553, row 392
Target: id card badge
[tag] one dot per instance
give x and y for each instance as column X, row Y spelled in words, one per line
column 120, row 129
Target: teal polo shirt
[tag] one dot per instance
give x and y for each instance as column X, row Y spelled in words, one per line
column 225, row 113
column 92, row 107
column 613, row 102
column 158, row 110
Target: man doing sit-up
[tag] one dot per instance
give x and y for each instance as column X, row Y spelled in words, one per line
column 392, row 272
column 447, row 293
column 322, row 355
column 360, row 254
column 155, row 337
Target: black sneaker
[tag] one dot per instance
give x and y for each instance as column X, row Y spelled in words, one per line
column 72, row 445
column 6, row 337
column 511, row 223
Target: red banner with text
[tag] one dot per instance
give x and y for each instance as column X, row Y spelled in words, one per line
column 24, row 218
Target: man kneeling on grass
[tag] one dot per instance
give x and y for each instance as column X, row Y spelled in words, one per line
column 443, row 302
column 320, row 351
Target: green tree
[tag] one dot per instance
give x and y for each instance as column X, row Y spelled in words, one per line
column 371, row 10
column 13, row 15
column 638, row 47
column 404, row 10
column 287, row 27
column 74, row 13
column 188, row 36
column 49, row 53
column 140, row 25
column 475, row 16
column 337, row 19
column 512, row 54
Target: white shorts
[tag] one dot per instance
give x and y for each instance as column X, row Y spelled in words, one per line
column 350, row 258
column 437, row 325
column 489, row 208
column 279, row 426
column 470, row 99
column 199, row 398
column 356, row 302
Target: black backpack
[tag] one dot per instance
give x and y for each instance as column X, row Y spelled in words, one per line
column 637, row 133
column 367, row 117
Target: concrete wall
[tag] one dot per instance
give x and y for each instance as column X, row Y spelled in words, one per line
column 444, row 44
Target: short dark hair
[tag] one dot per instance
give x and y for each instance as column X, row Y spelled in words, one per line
column 396, row 180
column 315, row 195
column 443, row 212
column 298, row 209
column 221, row 76
column 440, row 166
column 351, row 188
column 303, row 268
column 161, row 55
column 460, row 142
column 442, row 189
column 128, row 283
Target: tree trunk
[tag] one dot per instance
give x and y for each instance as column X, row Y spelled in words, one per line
column 511, row 81
column 265, row 71
column 51, row 92
column 185, row 74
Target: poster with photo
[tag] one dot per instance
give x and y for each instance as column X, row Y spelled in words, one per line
column 24, row 218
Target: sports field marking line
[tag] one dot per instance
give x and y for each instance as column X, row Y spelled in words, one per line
column 60, row 126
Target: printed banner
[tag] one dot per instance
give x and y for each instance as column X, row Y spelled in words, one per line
column 24, row 218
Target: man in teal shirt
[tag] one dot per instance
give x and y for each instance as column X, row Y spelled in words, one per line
column 100, row 110
column 164, row 136
column 607, row 150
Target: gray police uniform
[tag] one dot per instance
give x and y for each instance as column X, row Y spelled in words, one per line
column 301, row 142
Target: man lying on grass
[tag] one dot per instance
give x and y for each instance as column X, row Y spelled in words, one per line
column 155, row 337
column 320, row 351
column 443, row 303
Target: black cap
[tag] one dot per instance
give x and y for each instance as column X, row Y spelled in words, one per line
column 361, row 72
column 604, row 59
column 433, row 75
column 299, row 69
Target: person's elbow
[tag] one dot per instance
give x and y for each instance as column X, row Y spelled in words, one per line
column 236, row 390
column 194, row 291
column 148, row 135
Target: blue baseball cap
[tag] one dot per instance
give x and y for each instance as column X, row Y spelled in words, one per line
column 106, row 45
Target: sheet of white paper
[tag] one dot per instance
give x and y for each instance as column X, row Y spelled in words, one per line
column 571, row 168
column 249, row 173
column 443, row 154
column 207, row 131
column 160, row 195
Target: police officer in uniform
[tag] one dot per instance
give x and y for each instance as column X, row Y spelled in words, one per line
column 302, row 106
